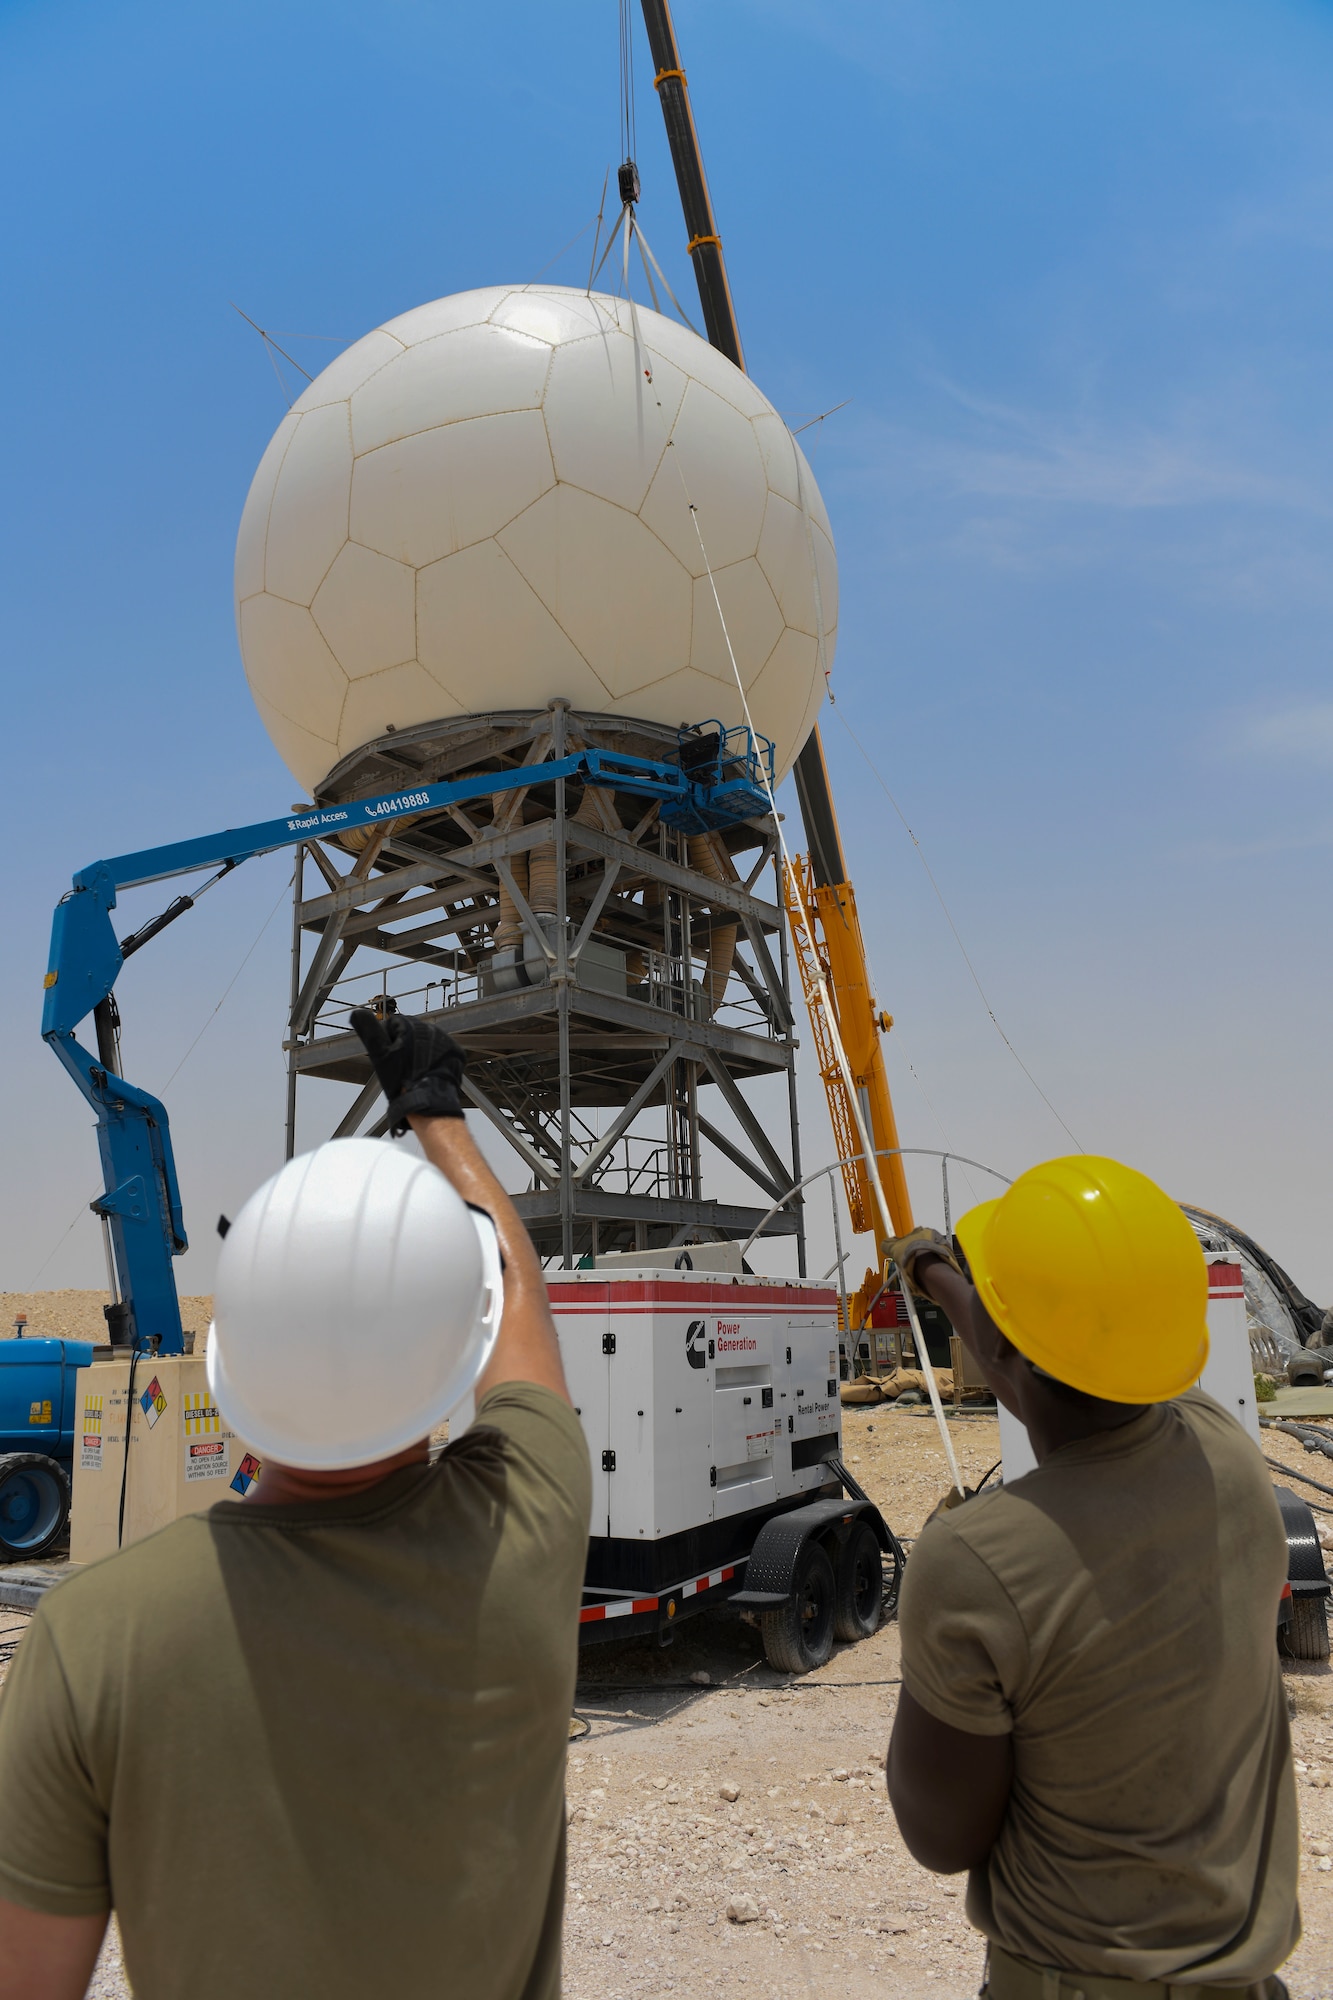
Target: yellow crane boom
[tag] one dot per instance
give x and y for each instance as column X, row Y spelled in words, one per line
column 824, row 923
column 820, row 901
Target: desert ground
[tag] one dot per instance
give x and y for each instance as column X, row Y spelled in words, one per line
column 702, row 1783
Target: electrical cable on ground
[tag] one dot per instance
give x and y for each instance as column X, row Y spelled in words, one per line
column 125, row 1463
column 948, row 915
column 804, row 1686
column 1290, row 1472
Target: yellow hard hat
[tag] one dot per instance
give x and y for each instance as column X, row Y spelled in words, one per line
column 1096, row 1276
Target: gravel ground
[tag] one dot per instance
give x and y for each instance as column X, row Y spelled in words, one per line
column 689, row 1797
column 78, row 1315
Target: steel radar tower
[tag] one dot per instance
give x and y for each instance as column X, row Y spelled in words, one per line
column 512, row 526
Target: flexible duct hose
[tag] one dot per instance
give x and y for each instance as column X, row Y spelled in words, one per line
column 705, row 860
column 509, row 930
column 596, row 808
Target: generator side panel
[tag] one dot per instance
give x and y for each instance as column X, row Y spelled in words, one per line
column 582, row 1331
column 683, row 1377
column 691, row 1417
column 635, row 1415
column 1229, row 1375
column 745, row 1417
column 809, row 1405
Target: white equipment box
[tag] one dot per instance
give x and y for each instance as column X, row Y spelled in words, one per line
column 702, row 1398
column 181, row 1455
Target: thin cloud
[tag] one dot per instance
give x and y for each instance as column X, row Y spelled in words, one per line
column 1219, row 851
column 1301, row 733
column 1055, row 460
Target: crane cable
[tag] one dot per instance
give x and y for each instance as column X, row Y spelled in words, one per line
column 948, row 917
column 628, row 133
column 826, row 1006
column 825, row 1001
column 836, row 706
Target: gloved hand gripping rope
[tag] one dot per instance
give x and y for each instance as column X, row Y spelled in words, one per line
column 420, row 1066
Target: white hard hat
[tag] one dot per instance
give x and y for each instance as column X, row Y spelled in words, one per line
column 357, row 1300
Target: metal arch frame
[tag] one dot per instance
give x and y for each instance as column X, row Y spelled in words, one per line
column 836, row 1166
column 925, row 1152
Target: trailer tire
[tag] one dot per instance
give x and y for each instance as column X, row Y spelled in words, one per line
column 859, row 1597
column 34, row 1503
column 799, row 1636
column 1306, row 1636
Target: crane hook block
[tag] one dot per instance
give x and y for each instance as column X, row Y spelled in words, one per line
column 627, row 174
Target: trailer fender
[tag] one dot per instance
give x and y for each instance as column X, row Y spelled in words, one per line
column 1302, row 1622
column 884, row 1535
column 771, row 1570
column 1305, row 1557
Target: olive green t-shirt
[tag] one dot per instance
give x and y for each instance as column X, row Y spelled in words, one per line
column 318, row 1749
column 1116, row 1610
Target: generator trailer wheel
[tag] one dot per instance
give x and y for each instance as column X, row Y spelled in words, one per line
column 859, row 1596
column 34, row 1503
column 1306, row 1636
column 799, row 1636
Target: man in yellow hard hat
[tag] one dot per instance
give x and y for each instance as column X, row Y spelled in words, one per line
column 1092, row 1719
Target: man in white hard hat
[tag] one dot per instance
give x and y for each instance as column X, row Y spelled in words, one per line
column 315, row 1743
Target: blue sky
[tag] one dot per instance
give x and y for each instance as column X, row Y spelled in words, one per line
column 1072, row 268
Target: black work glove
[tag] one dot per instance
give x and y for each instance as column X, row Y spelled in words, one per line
column 922, row 1242
column 419, row 1065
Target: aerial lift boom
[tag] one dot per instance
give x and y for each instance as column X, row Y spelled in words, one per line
column 820, row 901
column 140, row 1205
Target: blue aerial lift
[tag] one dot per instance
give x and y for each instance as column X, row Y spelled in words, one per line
column 719, row 780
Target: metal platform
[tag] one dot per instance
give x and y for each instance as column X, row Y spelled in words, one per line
column 604, row 970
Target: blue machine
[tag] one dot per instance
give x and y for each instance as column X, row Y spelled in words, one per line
column 39, row 1415
column 722, row 776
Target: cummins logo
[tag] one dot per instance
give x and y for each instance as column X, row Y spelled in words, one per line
column 696, row 1345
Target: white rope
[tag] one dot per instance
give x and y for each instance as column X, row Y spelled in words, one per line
column 647, row 249
column 825, row 1001
column 630, row 223
column 647, row 272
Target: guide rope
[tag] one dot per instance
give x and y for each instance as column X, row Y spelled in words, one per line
column 798, row 894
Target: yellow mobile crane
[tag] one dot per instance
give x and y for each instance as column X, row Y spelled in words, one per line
column 845, row 1017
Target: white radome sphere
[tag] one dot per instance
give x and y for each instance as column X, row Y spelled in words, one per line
column 485, row 504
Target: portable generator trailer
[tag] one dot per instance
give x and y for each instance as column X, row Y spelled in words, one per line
column 711, row 1407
